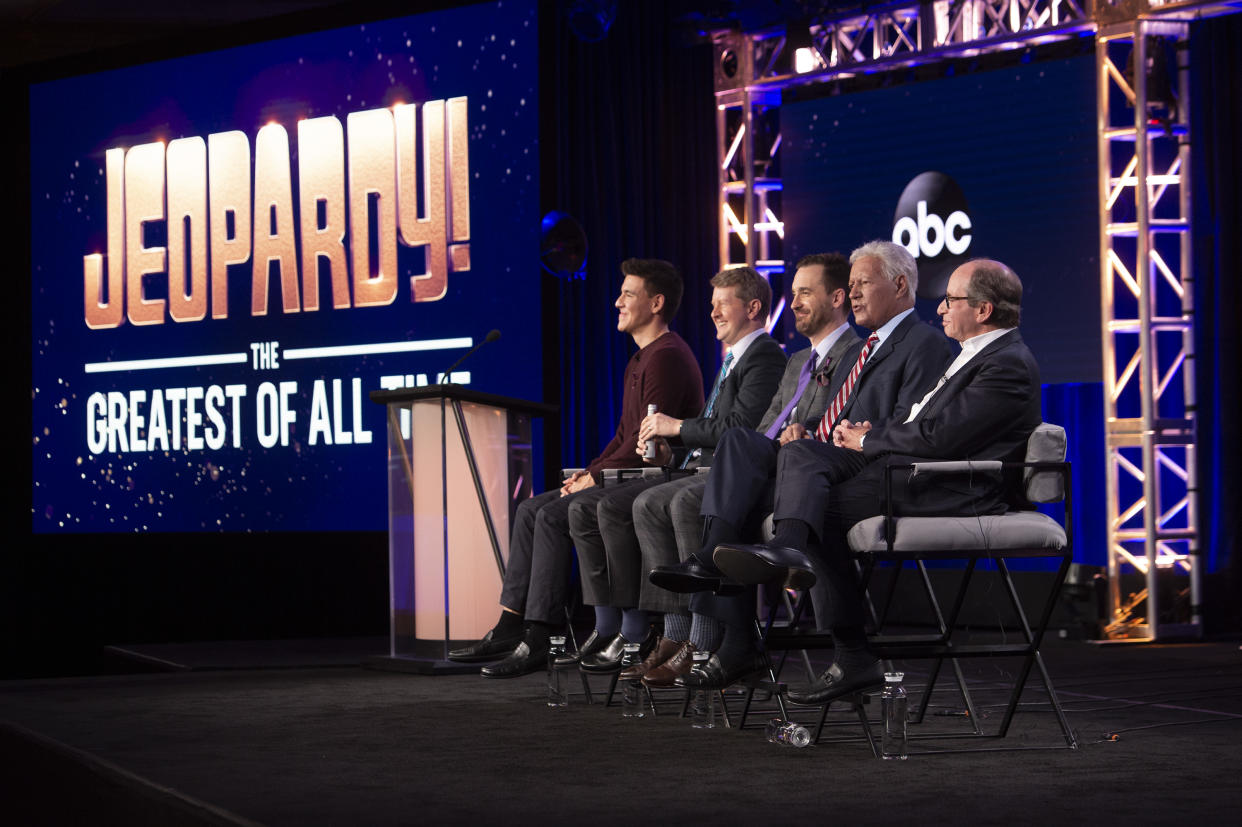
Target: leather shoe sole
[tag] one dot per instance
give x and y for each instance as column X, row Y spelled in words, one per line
column 836, row 683
column 755, row 564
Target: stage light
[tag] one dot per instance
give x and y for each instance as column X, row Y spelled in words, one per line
column 805, row 60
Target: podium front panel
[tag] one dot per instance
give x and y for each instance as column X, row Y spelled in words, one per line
column 443, row 573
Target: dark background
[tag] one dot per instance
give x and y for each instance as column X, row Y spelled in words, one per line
column 627, row 136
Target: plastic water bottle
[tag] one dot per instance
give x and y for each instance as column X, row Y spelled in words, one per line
column 631, row 691
column 650, row 452
column 704, row 704
column 788, row 733
column 894, row 703
column 557, row 696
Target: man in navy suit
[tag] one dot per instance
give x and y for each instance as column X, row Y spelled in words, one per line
column 983, row 407
column 888, row 373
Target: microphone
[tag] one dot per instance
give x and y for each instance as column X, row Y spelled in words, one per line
column 492, row 336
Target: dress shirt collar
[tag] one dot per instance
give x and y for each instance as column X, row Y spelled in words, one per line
column 826, row 343
column 972, row 346
column 740, row 346
column 887, row 328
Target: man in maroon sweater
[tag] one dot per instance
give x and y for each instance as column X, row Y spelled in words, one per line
column 663, row 373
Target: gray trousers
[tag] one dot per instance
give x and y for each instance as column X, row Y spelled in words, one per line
column 537, row 574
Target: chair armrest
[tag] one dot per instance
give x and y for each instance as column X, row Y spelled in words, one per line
column 976, row 466
column 566, row 473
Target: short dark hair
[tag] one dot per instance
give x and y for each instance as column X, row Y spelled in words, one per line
column 836, row 272
column 991, row 281
column 660, row 278
column 748, row 285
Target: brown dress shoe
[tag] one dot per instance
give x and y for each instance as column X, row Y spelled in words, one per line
column 664, row 649
column 667, row 672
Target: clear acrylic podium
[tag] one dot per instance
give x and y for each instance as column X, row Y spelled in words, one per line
column 459, row 463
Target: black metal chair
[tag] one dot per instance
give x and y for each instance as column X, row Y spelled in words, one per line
column 915, row 541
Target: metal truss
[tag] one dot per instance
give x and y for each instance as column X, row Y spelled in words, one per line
column 1146, row 274
column 1147, row 307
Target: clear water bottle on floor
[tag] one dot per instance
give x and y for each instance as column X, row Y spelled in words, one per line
column 557, row 694
column 703, row 704
column 788, row 733
column 895, row 708
column 631, row 691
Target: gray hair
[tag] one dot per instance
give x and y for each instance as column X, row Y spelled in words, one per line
column 895, row 261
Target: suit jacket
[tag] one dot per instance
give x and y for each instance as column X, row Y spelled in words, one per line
column 744, row 392
column 815, row 399
column 897, row 375
column 985, row 411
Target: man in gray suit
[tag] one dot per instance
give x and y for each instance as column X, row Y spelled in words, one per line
column 666, row 517
column 889, row 373
column 603, row 529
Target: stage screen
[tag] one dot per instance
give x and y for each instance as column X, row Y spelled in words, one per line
column 998, row 163
column 231, row 249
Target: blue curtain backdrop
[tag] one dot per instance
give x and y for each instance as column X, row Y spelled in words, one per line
column 1216, row 187
column 633, row 149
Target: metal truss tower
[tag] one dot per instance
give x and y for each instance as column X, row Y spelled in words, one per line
column 1146, row 275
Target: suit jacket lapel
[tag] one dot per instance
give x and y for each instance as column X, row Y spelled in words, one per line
column 966, row 374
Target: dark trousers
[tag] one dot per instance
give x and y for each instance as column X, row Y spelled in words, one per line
column 537, row 574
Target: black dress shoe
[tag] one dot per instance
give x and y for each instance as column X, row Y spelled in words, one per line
column 716, row 674
column 592, row 645
column 837, row 683
column 608, row 659
column 491, row 647
column 763, row 563
column 527, row 658
column 692, row 575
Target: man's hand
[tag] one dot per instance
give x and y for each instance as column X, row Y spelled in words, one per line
column 658, row 424
column 578, row 481
column 663, row 451
column 795, row 430
column 849, row 434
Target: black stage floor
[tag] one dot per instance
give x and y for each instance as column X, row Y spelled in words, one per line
column 1159, row 728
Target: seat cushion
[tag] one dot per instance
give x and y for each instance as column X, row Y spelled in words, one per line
column 1015, row 530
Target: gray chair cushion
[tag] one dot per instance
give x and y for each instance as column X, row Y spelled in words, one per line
column 1015, row 530
column 1046, row 444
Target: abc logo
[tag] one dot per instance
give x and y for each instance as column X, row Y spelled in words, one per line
column 931, row 221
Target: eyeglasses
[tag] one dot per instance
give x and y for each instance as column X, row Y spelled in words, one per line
column 948, row 300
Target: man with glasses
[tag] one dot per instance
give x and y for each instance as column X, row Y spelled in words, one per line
column 887, row 375
column 984, row 406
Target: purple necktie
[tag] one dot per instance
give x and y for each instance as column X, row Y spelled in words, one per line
column 804, row 379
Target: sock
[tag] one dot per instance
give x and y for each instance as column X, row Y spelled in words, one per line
column 635, row 625
column 510, row 623
column 716, row 530
column 791, row 534
column 851, row 647
column 705, row 633
column 607, row 621
column 537, row 634
column 677, row 627
column 737, row 645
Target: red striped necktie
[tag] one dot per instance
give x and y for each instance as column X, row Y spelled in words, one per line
column 824, row 432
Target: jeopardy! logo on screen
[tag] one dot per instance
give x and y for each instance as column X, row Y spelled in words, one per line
column 201, row 190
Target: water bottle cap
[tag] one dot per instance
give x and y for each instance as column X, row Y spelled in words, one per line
column 701, row 657
column 557, row 640
column 631, row 647
column 893, row 677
